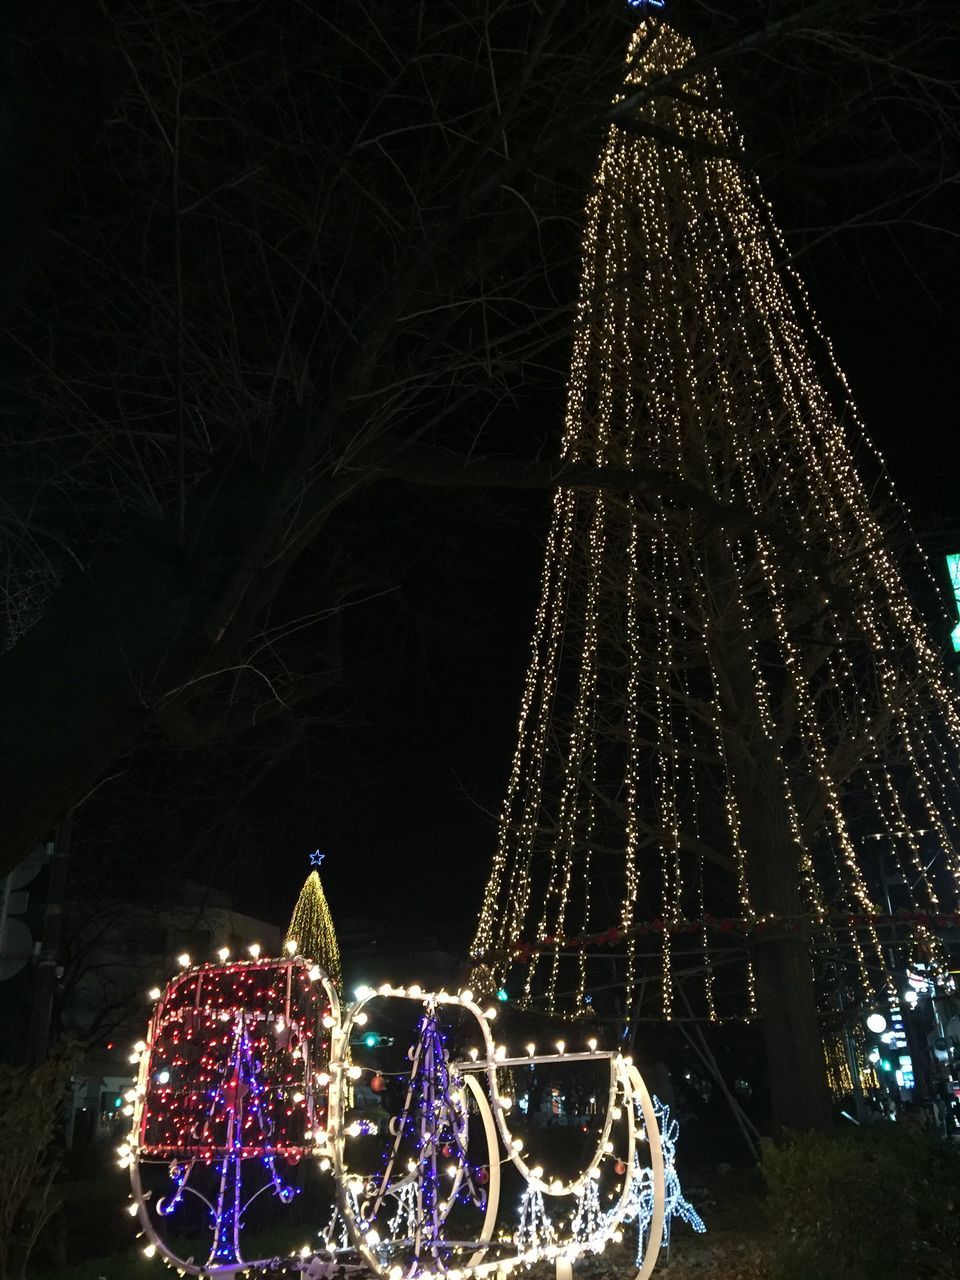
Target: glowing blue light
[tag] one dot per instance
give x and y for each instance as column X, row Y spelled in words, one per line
column 371, row 1039
column 503, row 995
column 316, row 858
column 646, row 4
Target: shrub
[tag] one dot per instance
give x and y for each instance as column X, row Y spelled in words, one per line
column 876, row 1203
column 30, row 1101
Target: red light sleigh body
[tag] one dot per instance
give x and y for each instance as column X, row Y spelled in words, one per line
column 228, row 1097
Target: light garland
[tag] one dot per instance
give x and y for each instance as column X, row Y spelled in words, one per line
column 255, row 1056
column 672, row 657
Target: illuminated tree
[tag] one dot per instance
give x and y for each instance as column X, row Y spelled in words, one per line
column 729, row 685
column 311, row 928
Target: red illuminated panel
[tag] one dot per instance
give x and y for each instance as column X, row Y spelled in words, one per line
column 234, row 1055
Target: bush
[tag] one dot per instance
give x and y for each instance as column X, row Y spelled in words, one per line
column 30, row 1102
column 876, row 1203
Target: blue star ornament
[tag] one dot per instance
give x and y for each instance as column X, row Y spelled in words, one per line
column 316, row 858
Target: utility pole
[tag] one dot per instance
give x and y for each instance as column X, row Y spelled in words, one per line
column 45, row 989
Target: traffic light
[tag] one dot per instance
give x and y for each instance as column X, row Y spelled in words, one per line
column 373, row 1040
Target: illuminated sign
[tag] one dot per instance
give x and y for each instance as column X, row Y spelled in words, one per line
column 953, row 568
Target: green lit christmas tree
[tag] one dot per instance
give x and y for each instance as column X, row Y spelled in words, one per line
column 730, row 692
column 311, row 929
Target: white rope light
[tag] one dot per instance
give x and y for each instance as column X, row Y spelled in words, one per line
column 377, row 1237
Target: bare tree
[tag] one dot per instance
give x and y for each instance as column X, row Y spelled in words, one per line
column 297, row 249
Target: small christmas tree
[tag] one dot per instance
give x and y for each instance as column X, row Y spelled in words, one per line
column 311, row 928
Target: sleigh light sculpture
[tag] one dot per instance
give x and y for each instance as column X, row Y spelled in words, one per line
column 245, row 1102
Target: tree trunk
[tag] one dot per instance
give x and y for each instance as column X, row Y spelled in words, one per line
column 786, row 998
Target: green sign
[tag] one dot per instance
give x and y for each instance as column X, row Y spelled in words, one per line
column 953, row 568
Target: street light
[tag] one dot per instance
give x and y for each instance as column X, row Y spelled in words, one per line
column 876, row 1023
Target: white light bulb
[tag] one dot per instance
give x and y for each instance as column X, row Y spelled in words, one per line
column 254, row 950
column 183, row 960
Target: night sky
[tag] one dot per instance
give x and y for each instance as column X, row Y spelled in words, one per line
column 414, row 779
column 400, row 774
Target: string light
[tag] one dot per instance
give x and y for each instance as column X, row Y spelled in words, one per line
column 225, row 1089
column 311, row 930
column 665, row 639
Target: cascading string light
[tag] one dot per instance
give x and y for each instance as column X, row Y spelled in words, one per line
column 691, row 356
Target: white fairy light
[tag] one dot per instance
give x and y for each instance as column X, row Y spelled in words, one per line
column 691, row 357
